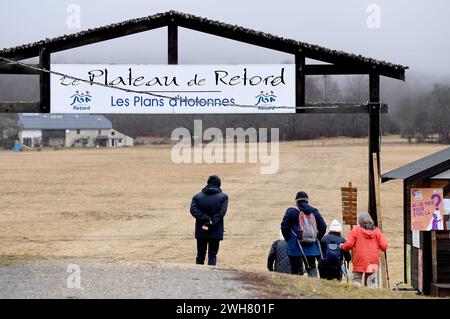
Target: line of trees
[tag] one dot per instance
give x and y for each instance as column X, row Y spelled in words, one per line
column 425, row 116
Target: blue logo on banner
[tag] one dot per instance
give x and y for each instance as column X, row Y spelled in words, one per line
column 265, row 98
column 80, row 101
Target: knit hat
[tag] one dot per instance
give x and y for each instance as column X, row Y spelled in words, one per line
column 335, row 226
column 301, row 196
column 214, row 180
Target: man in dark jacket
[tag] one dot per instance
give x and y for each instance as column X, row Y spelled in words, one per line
column 330, row 265
column 306, row 253
column 278, row 259
column 209, row 208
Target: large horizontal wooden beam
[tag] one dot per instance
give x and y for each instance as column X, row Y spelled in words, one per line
column 319, row 108
column 349, row 69
column 333, row 69
column 336, row 108
column 19, row 107
column 17, row 69
column 310, row 69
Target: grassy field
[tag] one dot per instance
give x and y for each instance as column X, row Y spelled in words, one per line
column 134, row 203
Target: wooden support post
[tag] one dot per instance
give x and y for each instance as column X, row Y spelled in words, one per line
column 299, row 80
column 44, row 80
column 406, row 198
column 377, row 183
column 383, row 261
column 434, row 253
column 172, row 41
column 374, row 140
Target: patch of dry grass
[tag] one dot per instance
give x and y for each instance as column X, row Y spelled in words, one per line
column 7, row 260
column 274, row 285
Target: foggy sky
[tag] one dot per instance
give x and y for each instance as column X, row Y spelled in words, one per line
column 413, row 33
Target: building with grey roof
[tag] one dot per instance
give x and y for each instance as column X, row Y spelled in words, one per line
column 70, row 130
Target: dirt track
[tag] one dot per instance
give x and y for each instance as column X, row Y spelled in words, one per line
column 117, row 280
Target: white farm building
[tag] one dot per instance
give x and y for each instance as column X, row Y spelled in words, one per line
column 70, row 130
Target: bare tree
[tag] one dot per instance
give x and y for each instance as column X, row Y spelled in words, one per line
column 439, row 113
column 9, row 130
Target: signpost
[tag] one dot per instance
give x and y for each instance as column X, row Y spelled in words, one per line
column 349, row 204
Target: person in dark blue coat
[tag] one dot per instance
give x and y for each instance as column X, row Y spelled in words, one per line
column 209, row 208
column 308, row 253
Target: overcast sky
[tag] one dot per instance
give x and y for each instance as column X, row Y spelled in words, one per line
column 413, row 33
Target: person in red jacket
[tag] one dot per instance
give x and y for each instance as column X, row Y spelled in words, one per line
column 366, row 240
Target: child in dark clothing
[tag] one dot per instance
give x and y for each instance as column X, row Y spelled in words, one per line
column 330, row 265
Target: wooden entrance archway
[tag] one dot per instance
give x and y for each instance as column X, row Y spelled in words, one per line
column 337, row 63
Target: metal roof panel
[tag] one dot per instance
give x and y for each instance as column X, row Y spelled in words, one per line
column 419, row 166
column 43, row 121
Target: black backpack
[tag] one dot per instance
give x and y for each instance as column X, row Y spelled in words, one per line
column 333, row 256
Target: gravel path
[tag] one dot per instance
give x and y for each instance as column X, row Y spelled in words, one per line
column 113, row 279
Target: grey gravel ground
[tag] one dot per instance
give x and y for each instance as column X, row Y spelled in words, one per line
column 113, row 279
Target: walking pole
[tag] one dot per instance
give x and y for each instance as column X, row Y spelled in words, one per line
column 301, row 249
column 387, row 270
column 348, row 271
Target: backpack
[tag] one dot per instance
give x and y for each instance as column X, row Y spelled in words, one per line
column 307, row 227
column 333, row 256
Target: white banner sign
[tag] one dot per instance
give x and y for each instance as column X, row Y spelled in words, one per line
column 182, row 89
